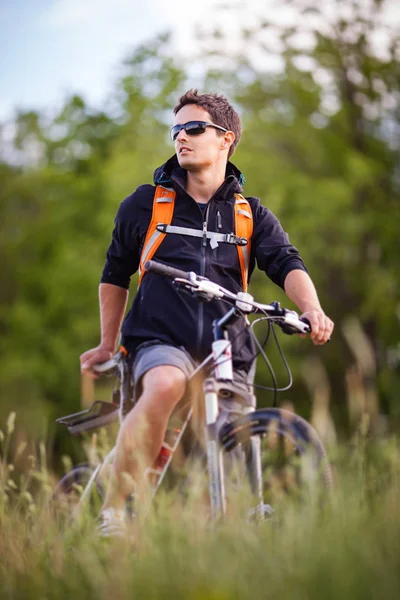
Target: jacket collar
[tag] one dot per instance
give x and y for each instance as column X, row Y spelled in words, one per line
column 171, row 172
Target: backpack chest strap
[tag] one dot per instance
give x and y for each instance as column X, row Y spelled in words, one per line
column 160, row 225
column 213, row 236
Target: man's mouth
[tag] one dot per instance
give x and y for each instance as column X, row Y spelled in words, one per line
column 184, row 150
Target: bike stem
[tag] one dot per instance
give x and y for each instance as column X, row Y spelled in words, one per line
column 220, row 325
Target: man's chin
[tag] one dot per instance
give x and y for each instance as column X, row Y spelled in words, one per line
column 187, row 162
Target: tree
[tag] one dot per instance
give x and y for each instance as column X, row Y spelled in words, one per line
column 62, row 180
column 321, row 149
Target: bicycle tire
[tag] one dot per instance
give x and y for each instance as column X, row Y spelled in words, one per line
column 297, row 430
column 68, row 490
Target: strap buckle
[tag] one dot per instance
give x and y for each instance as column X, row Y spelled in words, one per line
column 231, row 238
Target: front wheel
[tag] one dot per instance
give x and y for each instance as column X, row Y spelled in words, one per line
column 290, row 461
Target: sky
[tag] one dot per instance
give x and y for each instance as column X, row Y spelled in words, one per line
column 50, row 49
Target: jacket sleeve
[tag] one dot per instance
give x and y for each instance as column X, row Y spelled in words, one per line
column 272, row 249
column 123, row 254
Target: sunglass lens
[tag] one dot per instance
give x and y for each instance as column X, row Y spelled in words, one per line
column 191, row 128
column 174, row 132
column 195, row 128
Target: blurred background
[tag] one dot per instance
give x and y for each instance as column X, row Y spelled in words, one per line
column 86, row 96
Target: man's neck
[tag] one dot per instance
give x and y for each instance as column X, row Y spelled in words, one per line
column 202, row 185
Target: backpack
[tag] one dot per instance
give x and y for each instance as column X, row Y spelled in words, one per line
column 160, row 225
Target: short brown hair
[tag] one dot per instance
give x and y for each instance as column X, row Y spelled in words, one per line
column 219, row 109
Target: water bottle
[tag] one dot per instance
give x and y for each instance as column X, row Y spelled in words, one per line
column 167, row 448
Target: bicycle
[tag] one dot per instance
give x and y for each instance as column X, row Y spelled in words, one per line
column 232, row 422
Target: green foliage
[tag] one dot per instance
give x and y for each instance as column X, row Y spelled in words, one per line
column 320, row 148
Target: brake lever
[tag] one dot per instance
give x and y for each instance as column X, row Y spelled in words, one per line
column 288, row 329
column 191, row 289
column 291, row 329
column 186, row 286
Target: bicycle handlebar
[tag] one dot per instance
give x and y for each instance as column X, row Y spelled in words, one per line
column 111, row 364
column 288, row 320
column 152, row 266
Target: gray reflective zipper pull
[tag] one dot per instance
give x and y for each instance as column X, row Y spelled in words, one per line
column 219, row 220
column 205, row 233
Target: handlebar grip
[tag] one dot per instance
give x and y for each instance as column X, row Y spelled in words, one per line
column 152, row 266
column 105, row 366
column 112, row 363
column 309, row 325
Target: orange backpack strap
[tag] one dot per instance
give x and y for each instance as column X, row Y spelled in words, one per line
column 163, row 210
column 243, row 229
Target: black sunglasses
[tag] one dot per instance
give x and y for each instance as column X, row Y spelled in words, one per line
column 193, row 128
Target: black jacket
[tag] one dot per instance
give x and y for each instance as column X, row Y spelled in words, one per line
column 159, row 311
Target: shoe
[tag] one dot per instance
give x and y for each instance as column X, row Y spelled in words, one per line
column 261, row 512
column 112, row 523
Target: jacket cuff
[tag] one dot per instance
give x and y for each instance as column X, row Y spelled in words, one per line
column 108, row 277
column 293, row 265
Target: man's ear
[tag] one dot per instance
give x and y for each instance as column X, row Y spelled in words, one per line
column 228, row 139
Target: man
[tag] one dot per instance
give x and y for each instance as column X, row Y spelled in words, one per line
column 165, row 331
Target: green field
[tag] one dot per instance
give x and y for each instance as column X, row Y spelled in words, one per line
column 348, row 549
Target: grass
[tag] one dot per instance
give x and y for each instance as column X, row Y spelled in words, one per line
column 349, row 550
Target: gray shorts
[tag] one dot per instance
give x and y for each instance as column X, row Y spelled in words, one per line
column 151, row 354
column 157, row 354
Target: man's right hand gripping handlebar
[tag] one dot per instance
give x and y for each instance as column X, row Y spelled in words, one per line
column 100, row 355
column 93, row 357
column 100, row 360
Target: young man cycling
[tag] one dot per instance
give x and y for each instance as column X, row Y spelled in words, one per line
column 164, row 331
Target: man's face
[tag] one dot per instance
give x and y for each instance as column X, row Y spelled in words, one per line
column 197, row 152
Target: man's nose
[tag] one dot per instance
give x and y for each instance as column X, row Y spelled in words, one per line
column 182, row 135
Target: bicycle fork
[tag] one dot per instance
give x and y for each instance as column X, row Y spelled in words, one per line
column 215, row 461
column 222, row 352
column 214, row 452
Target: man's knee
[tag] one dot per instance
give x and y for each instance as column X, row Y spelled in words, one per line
column 165, row 383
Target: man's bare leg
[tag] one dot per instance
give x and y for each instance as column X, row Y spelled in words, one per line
column 142, row 431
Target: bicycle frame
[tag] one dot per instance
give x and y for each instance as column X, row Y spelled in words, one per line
column 221, row 359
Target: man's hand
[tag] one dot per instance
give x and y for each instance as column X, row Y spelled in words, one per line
column 301, row 290
column 321, row 326
column 93, row 357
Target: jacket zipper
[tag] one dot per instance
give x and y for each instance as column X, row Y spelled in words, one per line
column 200, row 325
column 200, row 322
